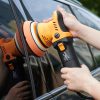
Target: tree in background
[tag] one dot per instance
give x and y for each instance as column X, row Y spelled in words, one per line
column 93, row 5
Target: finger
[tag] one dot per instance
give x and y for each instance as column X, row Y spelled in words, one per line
column 66, row 82
column 65, row 70
column 27, row 98
column 83, row 66
column 20, row 84
column 72, row 16
column 64, row 13
column 24, row 88
column 65, row 76
column 61, row 10
column 47, row 20
column 25, row 94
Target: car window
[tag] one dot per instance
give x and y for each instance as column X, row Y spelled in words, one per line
column 41, row 10
column 90, row 20
column 7, row 30
column 83, row 53
column 96, row 53
column 87, row 18
column 6, row 16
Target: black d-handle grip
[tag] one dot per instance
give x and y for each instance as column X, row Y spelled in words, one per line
column 68, row 56
column 61, row 22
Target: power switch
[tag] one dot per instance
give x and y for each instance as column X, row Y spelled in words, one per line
column 61, row 46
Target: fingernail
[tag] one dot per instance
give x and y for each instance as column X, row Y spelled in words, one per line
column 61, row 70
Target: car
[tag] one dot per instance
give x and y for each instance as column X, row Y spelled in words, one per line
column 45, row 77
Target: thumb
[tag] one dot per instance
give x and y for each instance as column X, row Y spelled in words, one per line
column 61, row 10
column 84, row 66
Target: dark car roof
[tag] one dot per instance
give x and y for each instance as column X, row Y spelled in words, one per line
column 74, row 1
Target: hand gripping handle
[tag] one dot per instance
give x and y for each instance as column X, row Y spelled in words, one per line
column 65, row 47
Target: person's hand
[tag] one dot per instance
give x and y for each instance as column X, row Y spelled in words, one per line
column 77, row 79
column 21, row 91
column 70, row 21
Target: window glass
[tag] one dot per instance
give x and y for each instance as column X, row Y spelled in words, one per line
column 7, row 30
column 85, row 17
column 83, row 53
column 96, row 53
column 41, row 10
column 7, row 21
column 93, row 21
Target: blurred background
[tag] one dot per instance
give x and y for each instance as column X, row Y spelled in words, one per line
column 93, row 5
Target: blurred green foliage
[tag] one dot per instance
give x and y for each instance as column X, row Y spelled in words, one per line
column 93, row 5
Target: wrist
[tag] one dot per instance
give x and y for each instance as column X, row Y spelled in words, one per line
column 90, row 85
column 80, row 28
column 77, row 30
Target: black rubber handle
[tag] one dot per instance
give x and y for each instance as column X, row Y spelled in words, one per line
column 61, row 22
column 68, row 56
